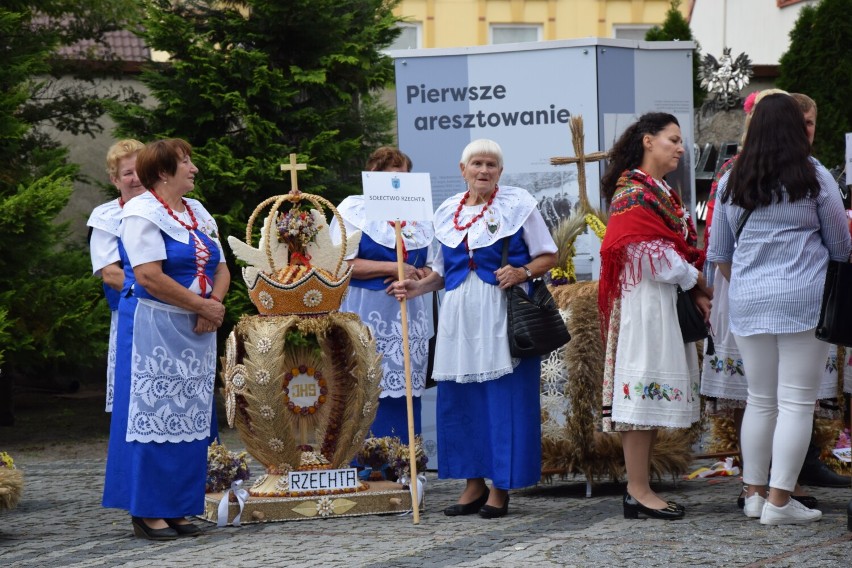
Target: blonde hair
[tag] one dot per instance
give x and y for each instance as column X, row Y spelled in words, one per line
column 482, row 147
column 118, row 152
column 805, row 103
column 757, row 99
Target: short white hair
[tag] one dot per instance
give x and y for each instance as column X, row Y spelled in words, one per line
column 482, row 147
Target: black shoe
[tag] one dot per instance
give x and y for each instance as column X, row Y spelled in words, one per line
column 808, row 501
column 489, row 512
column 632, row 508
column 741, row 497
column 816, row 473
column 467, row 508
column 185, row 529
column 676, row 505
column 141, row 530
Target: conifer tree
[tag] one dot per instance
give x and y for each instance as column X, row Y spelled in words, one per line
column 248, row 82
column 676, row 28
column 818, row 63
column 52, row 315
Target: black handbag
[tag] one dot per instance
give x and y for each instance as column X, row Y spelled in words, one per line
column 535, row 325
column 835, row 315
column 692, row 324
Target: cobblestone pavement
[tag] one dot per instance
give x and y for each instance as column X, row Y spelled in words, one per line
column 60, row 523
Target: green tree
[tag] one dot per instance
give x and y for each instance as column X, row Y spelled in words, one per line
column 249, row 82
column 819, row 64
column 676, row 28
column 52, row 315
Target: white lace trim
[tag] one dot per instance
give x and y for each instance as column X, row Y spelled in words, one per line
column 111, row 356
column 479, row 377
column 106, row 217
column 507, row 214
column 147, row 207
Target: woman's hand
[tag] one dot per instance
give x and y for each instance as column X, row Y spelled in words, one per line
column 508, row 276
column 702, row 302
column 409, row 272
column 204, row 325
column 410, row 288
column 213, row 312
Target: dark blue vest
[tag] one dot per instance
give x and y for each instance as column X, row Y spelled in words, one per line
column 486, row 260
column 368, row 249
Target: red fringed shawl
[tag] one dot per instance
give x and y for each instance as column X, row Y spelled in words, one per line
column 641, row 212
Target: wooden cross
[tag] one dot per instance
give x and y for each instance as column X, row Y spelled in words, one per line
column 293, row 167
column 578, row 141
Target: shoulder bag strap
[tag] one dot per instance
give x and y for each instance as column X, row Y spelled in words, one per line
column 741, row 224
column 505, row 251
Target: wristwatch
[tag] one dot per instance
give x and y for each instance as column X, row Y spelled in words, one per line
column 528, row 271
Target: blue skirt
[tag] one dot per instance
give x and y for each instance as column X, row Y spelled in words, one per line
column 153, row 480
column 492, row 429
column 392, row 418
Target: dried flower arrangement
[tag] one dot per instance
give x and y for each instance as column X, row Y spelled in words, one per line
column 224, row 467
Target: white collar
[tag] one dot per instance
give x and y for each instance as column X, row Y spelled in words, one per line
column 506, row 215
column 415, row 234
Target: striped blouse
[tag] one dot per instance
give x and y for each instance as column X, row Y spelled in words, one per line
column 778, row 265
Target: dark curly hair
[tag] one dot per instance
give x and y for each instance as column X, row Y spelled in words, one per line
column 628, row 151
column 775, row 158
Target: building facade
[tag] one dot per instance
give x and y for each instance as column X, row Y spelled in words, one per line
column 462, row 23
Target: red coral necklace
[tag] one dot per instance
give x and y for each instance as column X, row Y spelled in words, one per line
column 476, row 217
column 175, row 217
column 202, row 253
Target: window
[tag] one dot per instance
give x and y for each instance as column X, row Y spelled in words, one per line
column 630, row 31
column 515, row 33
column 409, row 38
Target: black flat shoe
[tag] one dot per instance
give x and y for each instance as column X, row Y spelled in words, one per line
column 808, row 501
column 676, row 505
column 741, row 497
column 185, row 529
column 632, row 508
column 467, row 508
column 141, row 530
column 489, row 512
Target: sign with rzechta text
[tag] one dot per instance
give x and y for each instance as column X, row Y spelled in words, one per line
column 395, row 195
column 323, row 479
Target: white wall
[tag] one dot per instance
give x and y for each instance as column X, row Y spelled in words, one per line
column 757, row 27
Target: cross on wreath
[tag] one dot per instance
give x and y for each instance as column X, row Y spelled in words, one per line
column 578, row 141
column 292, row 167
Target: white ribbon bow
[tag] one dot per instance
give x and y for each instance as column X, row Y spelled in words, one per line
column 421, row 490
column 241, row 495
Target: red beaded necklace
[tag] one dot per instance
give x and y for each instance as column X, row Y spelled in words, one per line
column 202, row 253
column 476, row 217
column 175, row 217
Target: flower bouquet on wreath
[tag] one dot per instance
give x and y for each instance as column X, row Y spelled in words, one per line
column 388, row 458
column 11, row 482
column 224, row 467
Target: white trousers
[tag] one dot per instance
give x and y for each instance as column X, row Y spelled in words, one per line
column 783, row 373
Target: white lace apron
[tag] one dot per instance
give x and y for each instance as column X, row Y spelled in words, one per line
column 171, row 382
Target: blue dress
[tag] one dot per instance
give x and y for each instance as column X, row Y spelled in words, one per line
column 154, row 479
column 490, row 427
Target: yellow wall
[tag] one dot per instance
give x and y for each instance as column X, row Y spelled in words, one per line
column 458, row 23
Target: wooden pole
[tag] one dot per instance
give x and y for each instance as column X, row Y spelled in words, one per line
column 409, row 397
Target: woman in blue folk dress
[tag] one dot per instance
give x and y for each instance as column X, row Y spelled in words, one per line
column 488, row 415
column 169, row 312
column 103, row 226
column 374, row 267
